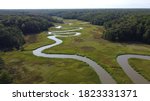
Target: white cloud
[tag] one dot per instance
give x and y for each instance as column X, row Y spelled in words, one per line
column 39, row 4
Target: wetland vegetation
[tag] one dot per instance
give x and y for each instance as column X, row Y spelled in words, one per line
column 19, row 65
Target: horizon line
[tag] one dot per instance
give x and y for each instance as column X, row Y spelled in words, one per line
column 62, row 8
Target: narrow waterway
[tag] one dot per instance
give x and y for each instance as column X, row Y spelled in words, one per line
column 134, row 76
column 103, row 75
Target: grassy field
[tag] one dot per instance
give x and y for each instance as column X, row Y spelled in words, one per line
column 90, row 44
column 27, row 68
column 141, row 66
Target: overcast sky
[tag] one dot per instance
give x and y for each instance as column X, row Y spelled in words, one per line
column 59, row 4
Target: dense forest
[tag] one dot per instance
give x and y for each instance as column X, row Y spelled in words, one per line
column 122, row 25
column 14, row 27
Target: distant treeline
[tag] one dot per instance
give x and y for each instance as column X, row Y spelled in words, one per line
column 14, row 27
column 122, row 25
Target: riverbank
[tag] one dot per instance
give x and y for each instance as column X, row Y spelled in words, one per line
column 28, row 68
column 104, row 77
column 90, row 44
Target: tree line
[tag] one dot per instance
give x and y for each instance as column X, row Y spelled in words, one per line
column 129, row 28
column 122, row 25
column 14, row 27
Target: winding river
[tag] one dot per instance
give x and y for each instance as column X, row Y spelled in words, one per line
column 103, row 75
column 134, row 76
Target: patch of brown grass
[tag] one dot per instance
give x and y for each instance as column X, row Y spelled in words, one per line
column 78, row 40
column 87, row 48
column 30, row 39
